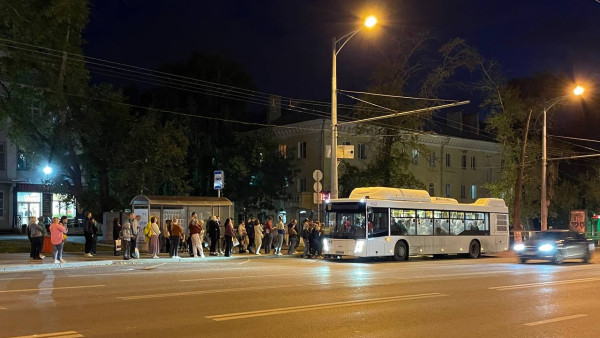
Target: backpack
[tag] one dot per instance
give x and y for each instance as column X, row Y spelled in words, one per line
column 148, row 231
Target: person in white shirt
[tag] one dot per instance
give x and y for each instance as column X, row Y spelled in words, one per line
column 258, row 235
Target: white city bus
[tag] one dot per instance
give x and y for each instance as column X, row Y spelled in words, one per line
column 377, row 222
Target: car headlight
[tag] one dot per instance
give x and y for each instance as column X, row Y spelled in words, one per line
column 519, row 247
column 546, row 247
column 359, row 246
column 325, row 245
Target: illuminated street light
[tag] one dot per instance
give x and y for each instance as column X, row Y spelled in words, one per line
column 369, row 23
column 47, row 170
column 578, row 91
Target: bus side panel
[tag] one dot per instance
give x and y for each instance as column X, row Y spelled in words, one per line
column 376, row 247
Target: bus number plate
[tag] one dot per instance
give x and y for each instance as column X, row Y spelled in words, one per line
column 339, row 252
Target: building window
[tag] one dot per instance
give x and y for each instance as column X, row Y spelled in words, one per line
column 362, row 151
column 301, row 149
column 431, row 189
column 473, row 192
column 463, row 161
column 2, row 156
column 283, row 150
column 473, row 163
column 345, row 143
column 22, row 163
column 432, row 159
column 1, row 203
column 448, row 190
column 415, row 156
column 448, row 160
column 302, row 184
column 463, row 191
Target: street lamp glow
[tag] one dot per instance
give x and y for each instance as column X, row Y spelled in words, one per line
column 578, row 90
column 47, row 170
column 370, row 21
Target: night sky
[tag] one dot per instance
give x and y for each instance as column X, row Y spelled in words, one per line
column 286, row 45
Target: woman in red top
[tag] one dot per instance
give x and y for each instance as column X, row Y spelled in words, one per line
column 57, row 230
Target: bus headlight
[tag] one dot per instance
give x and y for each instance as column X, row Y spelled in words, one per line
column 359, row 246
column 519, row 247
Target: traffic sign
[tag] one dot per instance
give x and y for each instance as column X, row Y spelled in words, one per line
column 219, row 181
column 317, row 175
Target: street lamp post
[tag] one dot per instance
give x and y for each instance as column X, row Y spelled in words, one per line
column 544, row 199
column 369, row 23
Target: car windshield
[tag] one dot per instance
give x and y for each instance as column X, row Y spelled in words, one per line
column 550, row 235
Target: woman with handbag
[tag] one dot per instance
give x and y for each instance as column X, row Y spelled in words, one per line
column 293, row 233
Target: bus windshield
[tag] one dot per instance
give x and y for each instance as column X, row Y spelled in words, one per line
column 346, row 220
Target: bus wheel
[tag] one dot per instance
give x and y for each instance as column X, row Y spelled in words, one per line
column 474, row 249
column 401, row 251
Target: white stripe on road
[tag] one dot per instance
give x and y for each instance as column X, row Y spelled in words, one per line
column 63, row 334
column 553, row 320
column 203, row 292
column 262, row 313
column 249, row 276
column 57, row 288
column 2, row 308
column 533, row 285
column 244, row 262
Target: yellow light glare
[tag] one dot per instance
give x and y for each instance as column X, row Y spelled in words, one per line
column 578, row 90
column 370, row 21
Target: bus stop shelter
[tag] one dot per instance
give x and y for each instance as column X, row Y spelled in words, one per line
column 180, row 207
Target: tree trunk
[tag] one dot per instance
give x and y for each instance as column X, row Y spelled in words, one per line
column 518, row 228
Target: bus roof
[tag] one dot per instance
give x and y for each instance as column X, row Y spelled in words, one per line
column 414, row 195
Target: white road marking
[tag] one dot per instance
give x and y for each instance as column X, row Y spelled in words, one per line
column 63, row 334
column 533, row 285
column 2, row 308
column 57, row 288
column 553, row 320
column 203, row 292
column 244, row 262
column 277, row 311
column 249, row 276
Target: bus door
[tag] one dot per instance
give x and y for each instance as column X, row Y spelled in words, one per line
column 377, row 231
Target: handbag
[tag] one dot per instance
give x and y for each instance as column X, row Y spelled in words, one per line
column 235, row 241
column 64, row 238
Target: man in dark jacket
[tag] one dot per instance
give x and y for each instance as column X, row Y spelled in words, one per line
column 90, row 231
column 214, row 234
column 250, row 234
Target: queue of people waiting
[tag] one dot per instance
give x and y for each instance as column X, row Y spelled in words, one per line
column 251, row 236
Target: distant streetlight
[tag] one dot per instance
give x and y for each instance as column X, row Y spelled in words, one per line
column 47, row 170
column 578, row 91
column 369, row 22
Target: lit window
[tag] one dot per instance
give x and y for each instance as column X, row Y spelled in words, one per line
column 415, row 156
column 283, row 150
column 473, row 192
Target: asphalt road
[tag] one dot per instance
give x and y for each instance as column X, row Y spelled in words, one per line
column 293, row 297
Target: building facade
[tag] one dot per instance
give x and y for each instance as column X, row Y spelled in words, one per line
column 26, row 190
column 448, row 166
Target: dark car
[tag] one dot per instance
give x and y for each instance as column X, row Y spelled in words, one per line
column 556, row 246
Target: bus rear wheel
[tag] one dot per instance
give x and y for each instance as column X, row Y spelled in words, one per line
column 401, row 251
column 474, row 249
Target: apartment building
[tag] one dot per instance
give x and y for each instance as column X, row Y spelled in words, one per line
column 448, row 166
